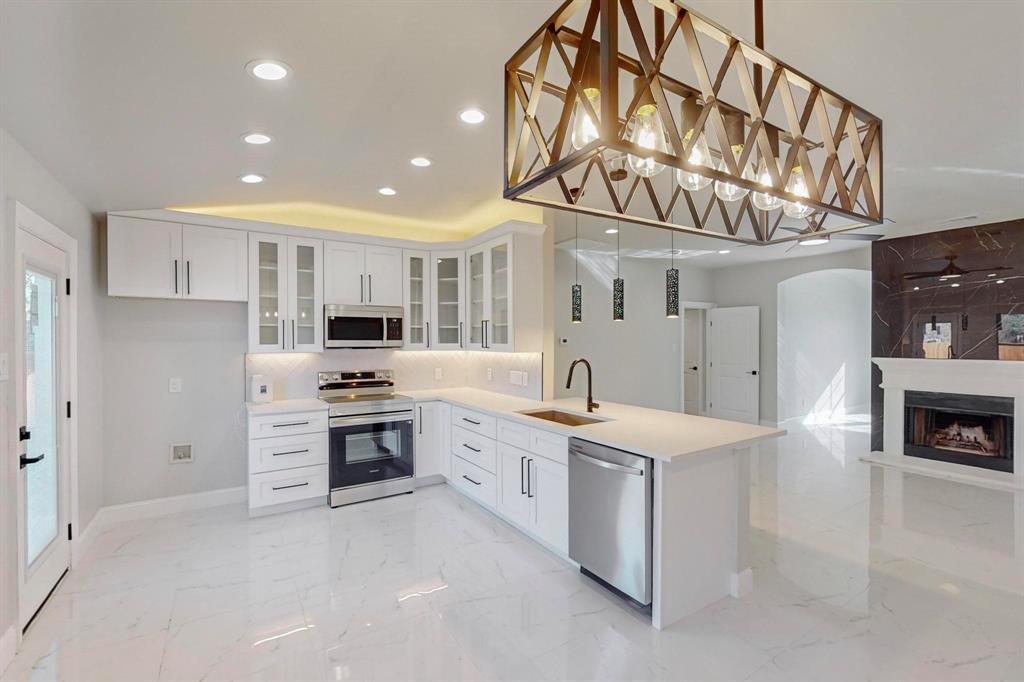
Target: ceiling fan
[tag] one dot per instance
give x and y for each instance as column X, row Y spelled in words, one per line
column 951, row 271
column 811, row 238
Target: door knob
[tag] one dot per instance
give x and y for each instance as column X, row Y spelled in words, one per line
column 25, row 460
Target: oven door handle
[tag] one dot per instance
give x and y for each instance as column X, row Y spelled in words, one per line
column 394, row 417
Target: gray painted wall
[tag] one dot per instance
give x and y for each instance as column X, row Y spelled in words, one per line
column 757, row 284
column 24, row 180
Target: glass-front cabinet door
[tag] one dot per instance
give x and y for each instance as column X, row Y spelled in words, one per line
column 475, row 279
column 268, row 287
column 448, row 301
column 305, row 295
column 498, row 326
column 416, row 298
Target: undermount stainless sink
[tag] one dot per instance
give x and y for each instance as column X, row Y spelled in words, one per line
column 559, row 417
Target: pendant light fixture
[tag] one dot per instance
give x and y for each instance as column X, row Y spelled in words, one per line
column 764, row 201
column 577, row 290
column 727, row 191
column 584, row 127
column 700, row 154
column 647, row 132
column 618, row 286
column 672, row 282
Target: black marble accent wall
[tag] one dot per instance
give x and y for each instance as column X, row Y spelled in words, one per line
column 951, row 294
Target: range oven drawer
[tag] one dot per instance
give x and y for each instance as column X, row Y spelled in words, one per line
column 287, row 452
column 291, row 485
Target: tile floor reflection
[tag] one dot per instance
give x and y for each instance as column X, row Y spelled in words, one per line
column 859, row 573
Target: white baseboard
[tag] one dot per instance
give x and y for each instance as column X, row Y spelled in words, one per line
column 8, row 646
column 148, row 509
column 769, row 422
column 741, row 583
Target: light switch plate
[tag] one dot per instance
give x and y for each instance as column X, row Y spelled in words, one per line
column 174, row 385
column 438, row 374
column 181, row 453
column 5, row 369
column 490, row 374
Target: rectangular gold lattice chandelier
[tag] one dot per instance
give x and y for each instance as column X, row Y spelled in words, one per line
column 659, row 118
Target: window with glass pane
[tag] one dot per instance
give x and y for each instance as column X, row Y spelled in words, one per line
column 499, row 295
column 476, row 296
column 1011, row 336
column 416, row 303
column 270, row 272
column 447, row 282
column 937, row 340
column 41, row 486
column 305, row 282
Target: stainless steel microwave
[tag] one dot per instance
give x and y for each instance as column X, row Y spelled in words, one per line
column 362, row 326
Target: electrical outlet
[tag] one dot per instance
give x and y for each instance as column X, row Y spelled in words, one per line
column 174, row 385
column 5, row 370
column 522, row 378
column 438, row 374
column 181, row 454
column 490, row 374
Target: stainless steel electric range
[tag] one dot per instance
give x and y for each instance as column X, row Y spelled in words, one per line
column 371, row 435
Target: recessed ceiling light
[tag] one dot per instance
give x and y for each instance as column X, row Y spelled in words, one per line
column 252, row 178
column 1000, row 281
column 472, row 116
column 257, row 138
column 420, row 161
column 268, row 69
column 917, row 288
column 955, row 284
column 387, row 191
column 611, row 230
column 724, row 251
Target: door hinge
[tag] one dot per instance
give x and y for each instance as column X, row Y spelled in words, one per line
column 69, row 531
column 69, row 409
column 67, row 283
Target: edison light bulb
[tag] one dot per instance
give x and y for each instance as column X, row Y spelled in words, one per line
column 649, row 134
column 762, row 200
column 699, row 155
column 797, row 185
column 727, row 191
column 584, row 130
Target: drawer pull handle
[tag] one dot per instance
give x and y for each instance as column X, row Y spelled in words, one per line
column 467, row 419
column 471, row 480
column 285, row 487
column 290, row 452
column 522, row 478
column 469, row 447
column 278, row 426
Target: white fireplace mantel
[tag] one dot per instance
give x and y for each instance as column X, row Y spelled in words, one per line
column 971, row 377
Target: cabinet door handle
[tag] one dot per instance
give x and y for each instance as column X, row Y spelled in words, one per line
column 293, row 334
column 369, row 286
column 470, row 480
column 188, row 277
column 529, row 477
column 361, row 289
column 460, row 335
column 175, row 275
column 428, row 333
column 290, row 452
column 469, row 447
column 467, row 419
column 278, row 426
column 286, row 487
column 282, row 334
column 421, row 419
column 522, row 479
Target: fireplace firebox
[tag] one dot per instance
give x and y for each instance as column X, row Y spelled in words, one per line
column 963, row 429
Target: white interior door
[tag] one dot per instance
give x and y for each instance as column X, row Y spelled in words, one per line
column 693, row 361
column 734, row 348
column 42, row 357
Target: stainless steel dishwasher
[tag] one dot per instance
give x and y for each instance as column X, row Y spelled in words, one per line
column 610, row 517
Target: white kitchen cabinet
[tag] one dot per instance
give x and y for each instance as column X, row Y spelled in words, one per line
column 159, row 259
column 285, row 294
column 416, row 300
column 288, row 458
column 383, row 266
column 548, row 490
column 444, row 420
column 357, row 274
column 427, row 442
column 448, row 300
column 489, row 294
column 513, row 500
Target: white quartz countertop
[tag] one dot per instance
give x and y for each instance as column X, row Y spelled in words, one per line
column 652, row 433
column 287, row 406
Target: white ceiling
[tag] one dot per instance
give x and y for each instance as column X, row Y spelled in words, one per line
column 142, row 104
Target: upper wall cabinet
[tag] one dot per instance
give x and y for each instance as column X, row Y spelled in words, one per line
column 362, row 274
column 157, row 259
column 448, row 300
column 505, row 294
column 285, row 294
column 416, row 299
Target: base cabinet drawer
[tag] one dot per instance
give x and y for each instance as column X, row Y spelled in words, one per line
column 480, row 484
column 514, row 434
column 554, row 446
column 478, row 422
column 273, row 425
column 287, row 452
column 277, row 487
column 474, row 448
